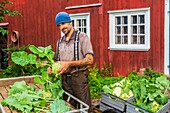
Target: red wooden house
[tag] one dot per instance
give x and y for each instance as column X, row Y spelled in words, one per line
column 129, row 34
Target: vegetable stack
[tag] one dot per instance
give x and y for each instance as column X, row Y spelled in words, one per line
column 149, row 90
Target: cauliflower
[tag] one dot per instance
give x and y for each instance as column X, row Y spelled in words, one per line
column 130, row 93
column 117, row 91
column 55, row 68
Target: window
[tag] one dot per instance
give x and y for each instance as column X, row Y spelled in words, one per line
column 81, row 22
column 129, row 29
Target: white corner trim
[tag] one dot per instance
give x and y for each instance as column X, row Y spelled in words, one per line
column 84, row 6
column 166, row 38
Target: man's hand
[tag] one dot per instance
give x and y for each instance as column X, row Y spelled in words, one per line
column 64, row 66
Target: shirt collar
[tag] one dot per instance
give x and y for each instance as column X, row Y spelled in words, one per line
column 72, row 36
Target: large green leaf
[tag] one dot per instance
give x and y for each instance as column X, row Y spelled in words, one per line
column 17, row 87
column 20, row 58
column 23, row 58
column 58, row 106
column 39, row 81
column 32, row 59
column 33, row 49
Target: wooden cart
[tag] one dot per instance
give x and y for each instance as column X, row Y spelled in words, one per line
column 4, row 87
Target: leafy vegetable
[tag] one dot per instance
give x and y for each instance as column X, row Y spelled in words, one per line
column 120, row 89
column 150, row 90
column 58, row 106
column 26, row 99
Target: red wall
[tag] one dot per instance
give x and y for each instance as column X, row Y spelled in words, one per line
column 124, row 61
column 37, row 26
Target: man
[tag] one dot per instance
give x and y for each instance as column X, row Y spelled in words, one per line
column 74, row 51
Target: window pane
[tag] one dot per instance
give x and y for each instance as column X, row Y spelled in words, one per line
column 125, row 30
column 142, row 29
column 83, row 22
column 142, row 40
column 134, row 29
column 118, row 20
column 118, row 30
column 118, row 40
column 134, row 19
column 84, row 30
column 134, row 40
column 73, row 23
column 125, row 40
column 78, row 23
column 141, row 19
column 124, row 20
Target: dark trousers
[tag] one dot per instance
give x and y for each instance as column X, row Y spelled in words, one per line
column 77, row 85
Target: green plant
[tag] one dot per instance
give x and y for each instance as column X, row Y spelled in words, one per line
column 97, row 80
column 24, row 98
column 16, row 70
column 5, row 11
column 106, row 70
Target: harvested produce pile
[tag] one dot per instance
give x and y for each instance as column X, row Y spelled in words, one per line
column 120, row 89
column 150, row 90
column 24, row 98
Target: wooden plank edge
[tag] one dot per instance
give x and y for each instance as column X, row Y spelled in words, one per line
column 10, row 81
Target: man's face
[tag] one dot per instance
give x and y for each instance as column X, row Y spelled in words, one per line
column 65, row 27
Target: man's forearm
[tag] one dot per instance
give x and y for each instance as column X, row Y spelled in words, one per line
column 88, row 60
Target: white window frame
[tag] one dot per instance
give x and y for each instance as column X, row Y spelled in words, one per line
column 82, row 16
column 129, row 47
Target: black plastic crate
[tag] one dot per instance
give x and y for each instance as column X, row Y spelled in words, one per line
column 105, row 108
column 114, row 102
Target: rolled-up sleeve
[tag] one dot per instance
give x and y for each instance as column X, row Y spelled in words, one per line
column 86, row 46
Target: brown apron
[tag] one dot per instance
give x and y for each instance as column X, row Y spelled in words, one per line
column 77, row 85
